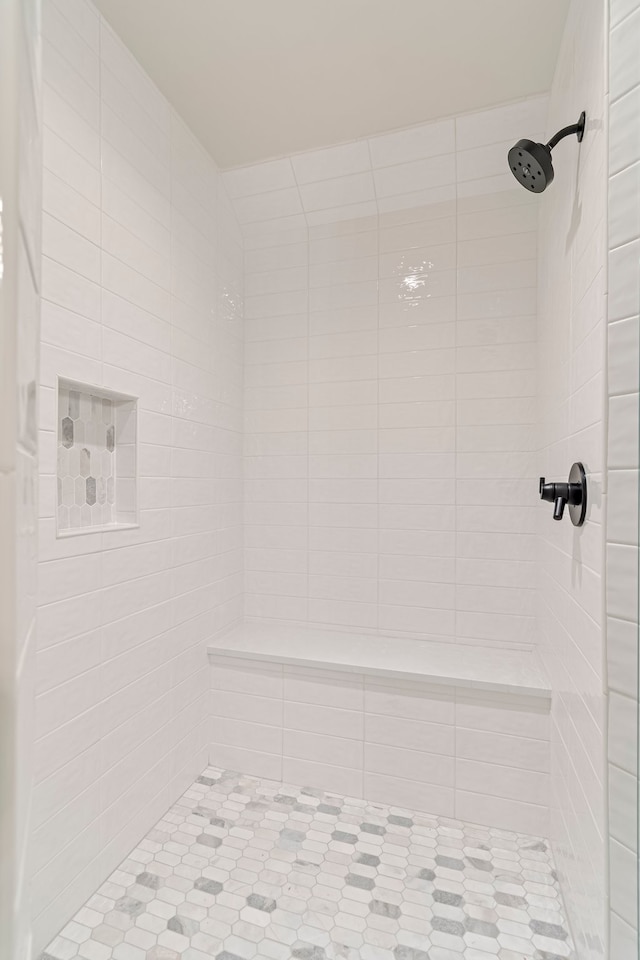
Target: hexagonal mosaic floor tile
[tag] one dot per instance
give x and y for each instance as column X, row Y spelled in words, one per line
column 244, row 869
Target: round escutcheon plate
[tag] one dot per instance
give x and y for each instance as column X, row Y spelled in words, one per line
column 578, row 510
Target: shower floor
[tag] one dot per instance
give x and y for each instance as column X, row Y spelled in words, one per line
column 244, row 868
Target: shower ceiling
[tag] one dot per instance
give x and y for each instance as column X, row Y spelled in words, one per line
column 262, row 78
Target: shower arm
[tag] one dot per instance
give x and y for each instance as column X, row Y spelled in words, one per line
column 577, row 128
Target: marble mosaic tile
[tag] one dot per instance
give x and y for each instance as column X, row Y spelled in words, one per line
column 243, row 868
column 86, row 455
column 95, row 458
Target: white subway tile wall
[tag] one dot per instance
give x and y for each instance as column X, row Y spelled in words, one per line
column 572, row 426
column 622, row 474
column 142, row 295
column 390, row 349
column 407, row 743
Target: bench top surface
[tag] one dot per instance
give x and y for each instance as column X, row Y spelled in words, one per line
column 452, row 664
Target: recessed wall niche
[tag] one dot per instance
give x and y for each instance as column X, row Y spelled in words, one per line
column 97, row 477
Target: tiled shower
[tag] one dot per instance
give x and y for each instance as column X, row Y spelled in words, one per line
column 314, row 673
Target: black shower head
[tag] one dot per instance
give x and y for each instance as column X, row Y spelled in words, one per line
column 531, row 163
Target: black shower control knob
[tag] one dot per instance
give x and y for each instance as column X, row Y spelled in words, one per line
column 553, row 491
column 573, row 493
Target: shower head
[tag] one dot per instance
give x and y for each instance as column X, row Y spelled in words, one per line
column 530, row 162
column 531, row 165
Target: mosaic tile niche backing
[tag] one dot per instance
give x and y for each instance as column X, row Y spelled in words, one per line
column 96, row 461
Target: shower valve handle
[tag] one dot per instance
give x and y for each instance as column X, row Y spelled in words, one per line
column 556, row 493
column 573, row 493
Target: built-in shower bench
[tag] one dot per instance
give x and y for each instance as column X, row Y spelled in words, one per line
column 451, row 664
column 459, row 730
